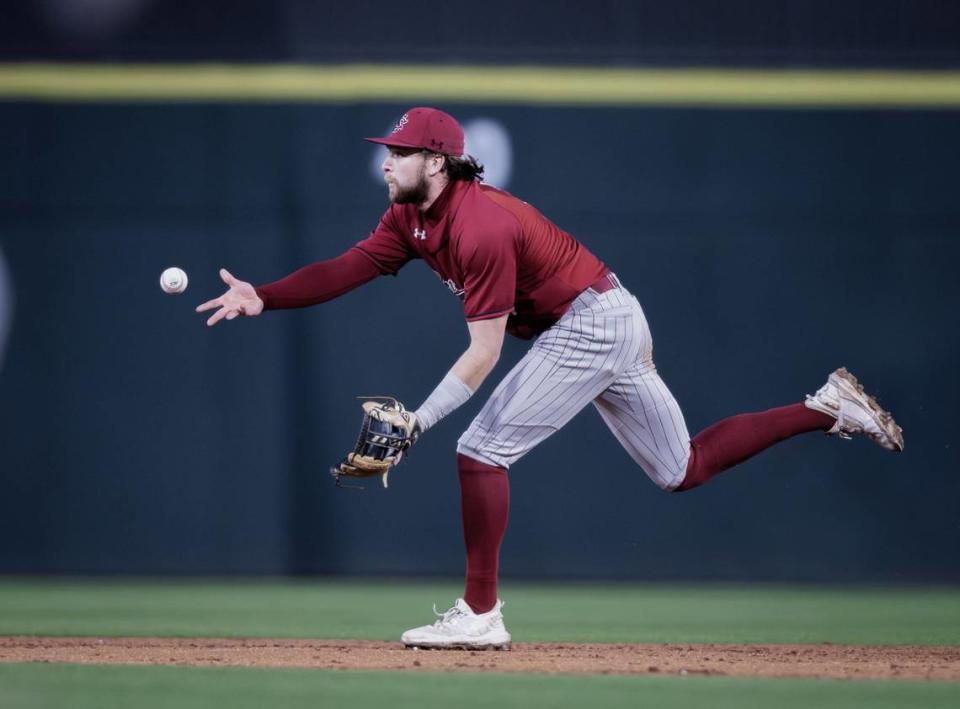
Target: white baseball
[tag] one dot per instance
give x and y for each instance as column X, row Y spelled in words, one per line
column 173, row 280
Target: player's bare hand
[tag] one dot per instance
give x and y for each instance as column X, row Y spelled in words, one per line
column 240, row 299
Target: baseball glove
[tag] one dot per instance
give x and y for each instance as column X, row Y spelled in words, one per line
column 386, row 433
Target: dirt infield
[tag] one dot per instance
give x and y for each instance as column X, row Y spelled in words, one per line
column 836, row 661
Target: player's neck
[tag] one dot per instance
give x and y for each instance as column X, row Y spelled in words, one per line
column 433, row 192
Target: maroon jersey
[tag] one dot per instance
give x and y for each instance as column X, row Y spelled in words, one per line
column 497, row 253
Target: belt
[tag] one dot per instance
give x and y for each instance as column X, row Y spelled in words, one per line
column 606, row 282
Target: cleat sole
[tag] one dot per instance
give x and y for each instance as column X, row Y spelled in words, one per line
column 883, row 418
column 459, row 646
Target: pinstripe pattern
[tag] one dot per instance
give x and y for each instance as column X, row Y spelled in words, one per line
column 600, row 351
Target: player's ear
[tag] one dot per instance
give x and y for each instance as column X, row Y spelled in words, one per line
column 435, row 163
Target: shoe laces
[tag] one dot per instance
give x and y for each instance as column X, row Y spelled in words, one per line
column 447, row 616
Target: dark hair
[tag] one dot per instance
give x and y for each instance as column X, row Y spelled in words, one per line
column 465, row 168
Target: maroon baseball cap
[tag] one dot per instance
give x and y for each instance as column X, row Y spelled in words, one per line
column 427, row 128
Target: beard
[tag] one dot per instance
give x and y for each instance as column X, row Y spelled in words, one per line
column 416, row 194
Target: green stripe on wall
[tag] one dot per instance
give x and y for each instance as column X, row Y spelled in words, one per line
column 509, row 85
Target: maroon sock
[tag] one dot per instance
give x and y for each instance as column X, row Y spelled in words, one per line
column 733, row 440
column 485, row 500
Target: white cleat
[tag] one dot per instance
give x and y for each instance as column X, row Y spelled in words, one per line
column 855, row 411
column 461, row 629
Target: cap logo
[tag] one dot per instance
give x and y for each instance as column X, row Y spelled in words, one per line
column 401, row 123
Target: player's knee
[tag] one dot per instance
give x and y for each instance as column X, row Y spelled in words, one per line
column 683, row 478
column 463, row 443
column 671, row 486
column 678, row 487
column 670, row 478
column 481, row 453
column 482, row 447
column 667, row 478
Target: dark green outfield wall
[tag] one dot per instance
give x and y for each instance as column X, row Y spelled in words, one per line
column 831, row 33
column 767, row 248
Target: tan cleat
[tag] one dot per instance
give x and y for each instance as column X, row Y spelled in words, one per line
column 843, row 398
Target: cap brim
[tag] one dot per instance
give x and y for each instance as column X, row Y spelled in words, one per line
column 392, row 142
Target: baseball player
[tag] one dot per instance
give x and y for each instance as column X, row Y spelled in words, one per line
column 516, row 272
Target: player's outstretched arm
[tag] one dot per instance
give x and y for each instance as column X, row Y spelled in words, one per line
column 240, row 299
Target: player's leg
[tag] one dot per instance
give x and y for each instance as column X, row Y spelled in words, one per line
column 475, row 621
column 646, row 419
column 735, row 439
column 485, row 506
column 562, row 372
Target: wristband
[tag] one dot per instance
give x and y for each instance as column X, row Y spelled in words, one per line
column 450, row 394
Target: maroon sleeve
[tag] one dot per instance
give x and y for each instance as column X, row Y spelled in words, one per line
column 385, row 246
column 490, row 277
column 384, row 251
column 319, row 282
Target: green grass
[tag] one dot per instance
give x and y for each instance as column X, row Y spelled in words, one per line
column 78, row 687
column 382, row 609
column 535, row 612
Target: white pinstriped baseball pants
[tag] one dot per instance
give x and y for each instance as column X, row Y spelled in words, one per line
column 600, row 351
